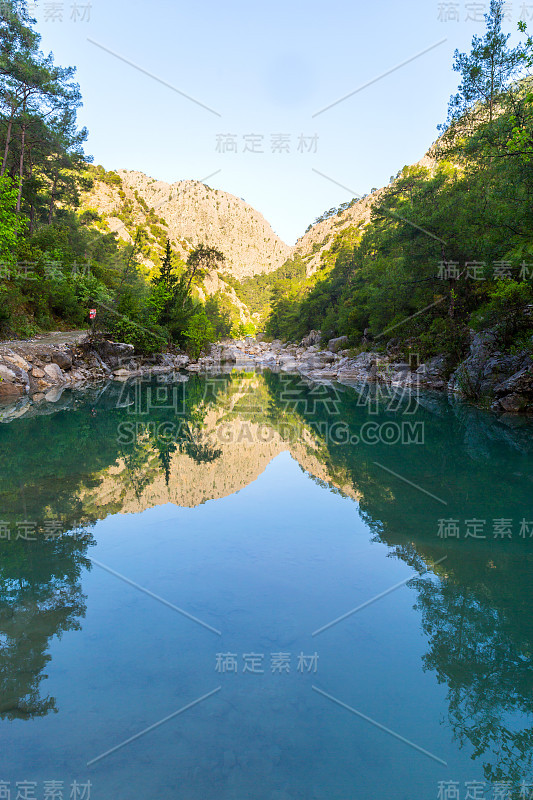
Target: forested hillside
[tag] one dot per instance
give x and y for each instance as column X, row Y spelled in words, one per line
column 60, row 256
column 449, row 246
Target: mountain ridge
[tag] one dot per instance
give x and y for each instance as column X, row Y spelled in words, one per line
column 189, row 212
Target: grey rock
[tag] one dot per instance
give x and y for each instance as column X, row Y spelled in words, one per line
column 54, row 373
column 181, row 361
column 313, row 337
column 7, row 374
column 63, row 360
column 114, row 354
column 334, row 345
column 514, row 403
column 521, row 382
column 17, row 361
column 486, row 367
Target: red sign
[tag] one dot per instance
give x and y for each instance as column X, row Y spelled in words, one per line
column 92, row 313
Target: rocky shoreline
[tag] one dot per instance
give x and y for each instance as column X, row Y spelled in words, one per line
column 494, row 379
column 36, row 372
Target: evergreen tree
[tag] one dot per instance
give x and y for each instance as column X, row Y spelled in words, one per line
column 485, row 72
column 165, row 277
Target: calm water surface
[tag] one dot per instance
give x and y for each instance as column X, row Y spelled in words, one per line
column 332, row 587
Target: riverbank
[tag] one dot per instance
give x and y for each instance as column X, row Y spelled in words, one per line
column 489, row 377
column 38, row 371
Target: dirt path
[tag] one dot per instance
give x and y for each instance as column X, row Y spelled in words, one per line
column 58, row 338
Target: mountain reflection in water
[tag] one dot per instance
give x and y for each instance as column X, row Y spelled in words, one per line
column 140, row 445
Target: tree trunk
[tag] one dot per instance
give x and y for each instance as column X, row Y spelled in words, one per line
column 8, row 140
column 52, row 199
column 21, row 165
column 32, row 206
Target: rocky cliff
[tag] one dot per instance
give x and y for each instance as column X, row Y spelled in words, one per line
column 189, row 213
column 319, row 237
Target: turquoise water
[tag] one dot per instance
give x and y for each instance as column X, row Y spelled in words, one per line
column 268, row 559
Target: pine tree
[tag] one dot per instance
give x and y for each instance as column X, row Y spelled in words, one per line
column 485, row 72
column 165, row 275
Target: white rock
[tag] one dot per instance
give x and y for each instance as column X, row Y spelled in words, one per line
column 7, row 374
column 18, row 361
column 54, row 373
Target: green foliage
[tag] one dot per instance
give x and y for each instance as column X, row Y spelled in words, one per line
column 65, row 261
column 109, row 178
column 143, row 339
column 507, row 309
column 257, row 292
column 200, row 262
column 10, row 224
column 221, row 313
column 243, row 329
column 200, row 332
column 407, row 276
column 485, row 72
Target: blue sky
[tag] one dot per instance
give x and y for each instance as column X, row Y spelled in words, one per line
column 266, row 70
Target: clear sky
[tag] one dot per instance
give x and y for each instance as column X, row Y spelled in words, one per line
column 265, row 69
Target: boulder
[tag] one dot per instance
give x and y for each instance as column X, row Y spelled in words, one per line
column 16, row 375
column 114, row 353
column 519, row 383
column 228, row 355
column 313, row 337
column 37, row 372
column 432, row 374
column 400, row 366
column 7, row 374
column 361, row 368
column 514, row 403
column 62, row 359
column 17, row 361
column 9, row 391
column 334, row 345
column 289, row 365
column 312, row 361
column 268, row 360
column 516, row 393
column 54, row 373
column 486, row 367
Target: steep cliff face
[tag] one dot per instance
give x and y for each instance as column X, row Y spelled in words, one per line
column 191, row 212
column 321, row 236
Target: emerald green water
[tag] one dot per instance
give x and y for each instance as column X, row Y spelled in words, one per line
column 273, row 561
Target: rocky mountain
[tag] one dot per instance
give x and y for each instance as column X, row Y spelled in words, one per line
column 319, row 237
column 188, row 212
